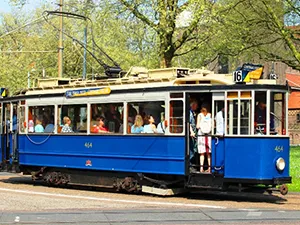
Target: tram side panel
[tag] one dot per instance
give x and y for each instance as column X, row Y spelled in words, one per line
column 255, row 158
column 136, row 153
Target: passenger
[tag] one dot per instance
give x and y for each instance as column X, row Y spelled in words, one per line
column 220, row 121
column 49, row 127
column 38, row 127
column 149, row 125
column 260, row 117
column 161, row 127
column 204, row 141
column 193, row 131
column 114, row 118
column 100, row 127
column 67, row 128
column 137, row 127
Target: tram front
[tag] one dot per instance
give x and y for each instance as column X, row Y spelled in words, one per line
column 252, row 150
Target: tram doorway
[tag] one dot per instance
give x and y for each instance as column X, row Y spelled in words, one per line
column 197, row 103
column 206, row 138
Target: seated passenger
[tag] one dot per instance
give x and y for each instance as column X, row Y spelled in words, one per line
column 137, row 127
column 161, row 127
column 38, row 127
column 149, row 125
column 49, row 128
column 67, row 125
column 100, row 127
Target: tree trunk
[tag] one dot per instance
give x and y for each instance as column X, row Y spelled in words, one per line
column 165, row 61
column 166, row 52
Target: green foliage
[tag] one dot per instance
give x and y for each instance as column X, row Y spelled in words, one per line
column 150, row 33
column 295, row 169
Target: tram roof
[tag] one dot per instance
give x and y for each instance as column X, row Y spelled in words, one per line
column 138, row 78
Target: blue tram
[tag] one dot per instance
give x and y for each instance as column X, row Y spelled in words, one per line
column 252, row 153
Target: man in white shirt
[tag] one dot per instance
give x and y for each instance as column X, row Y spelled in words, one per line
column 220, row 123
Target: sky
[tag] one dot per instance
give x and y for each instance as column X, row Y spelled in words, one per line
column 5, row 7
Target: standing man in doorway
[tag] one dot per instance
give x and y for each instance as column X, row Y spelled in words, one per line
column 220, row 120
column 193, row 131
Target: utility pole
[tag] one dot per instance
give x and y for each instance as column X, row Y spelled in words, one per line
column 60, row 43
column 84, row 54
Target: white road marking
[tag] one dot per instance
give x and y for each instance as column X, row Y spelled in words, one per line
column 114, row 200
column 250, row 210
column 281, row 211
column 17, row 219
column 254, row 213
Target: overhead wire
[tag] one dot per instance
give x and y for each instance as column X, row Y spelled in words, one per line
column 39, row 19
column 78, row 16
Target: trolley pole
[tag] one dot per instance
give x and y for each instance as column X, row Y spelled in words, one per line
column 60, row 43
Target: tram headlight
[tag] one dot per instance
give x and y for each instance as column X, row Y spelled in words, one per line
column 280, row 164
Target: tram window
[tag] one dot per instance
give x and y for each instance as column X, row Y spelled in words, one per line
column 7, row 118
column 41, row 119
column 232, row 117
column 107, row 118
column 176, row 116
column 22, row 124
column 77, row 115
column 277, row 114
column 245, row 117
column 260, row 112
column 176, row 95
column 146, row 117
column 219, row 119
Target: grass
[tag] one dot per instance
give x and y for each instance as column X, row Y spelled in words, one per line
column 295, row 169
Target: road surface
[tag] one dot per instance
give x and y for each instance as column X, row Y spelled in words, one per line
column 25, row 202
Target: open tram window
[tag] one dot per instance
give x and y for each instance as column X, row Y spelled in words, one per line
column 107, row 118
column 176, row 116
column 41, row 119
column 6, row 118
column 219, row 118
column 260, row 115
column 277, row 113
column 232, row 115
column 73, row 118
column 22, row 124
column 245, row 113
column 146, row 117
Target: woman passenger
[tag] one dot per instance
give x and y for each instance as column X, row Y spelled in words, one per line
column 66, row 128
column 204, row 140
column 100, row 127
column 149, row 125
column 137, row 127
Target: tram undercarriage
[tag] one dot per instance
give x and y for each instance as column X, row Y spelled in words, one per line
column 165, row 185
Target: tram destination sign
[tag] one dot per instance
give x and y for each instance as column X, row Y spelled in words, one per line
column 88, row 92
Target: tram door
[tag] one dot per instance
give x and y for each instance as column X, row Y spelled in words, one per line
column 218, row 131
column 2, row 144
column 5, row 127
column 14, row 132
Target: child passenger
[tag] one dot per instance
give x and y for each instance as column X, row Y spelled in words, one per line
column 38, row 127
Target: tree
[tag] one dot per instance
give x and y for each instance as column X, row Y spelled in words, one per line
column 164, row 16
column 264, row 30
